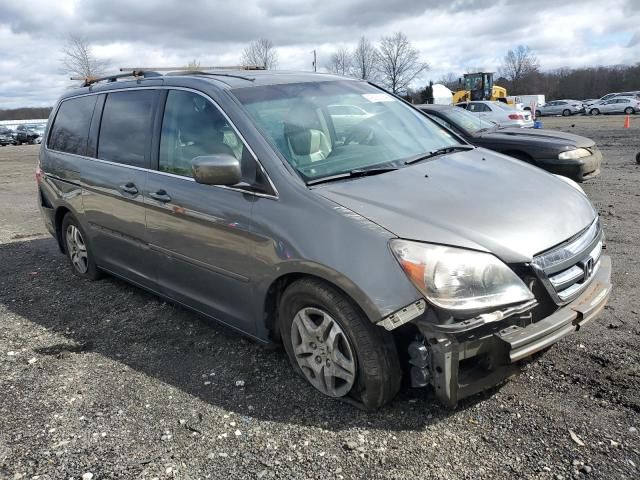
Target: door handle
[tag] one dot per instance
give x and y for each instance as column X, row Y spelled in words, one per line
column 129, row 188
column 160, row 196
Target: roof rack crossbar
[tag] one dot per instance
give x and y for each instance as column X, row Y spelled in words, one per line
column 88, row 81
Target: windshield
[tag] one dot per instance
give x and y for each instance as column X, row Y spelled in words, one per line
column 466, row 121
column 327, row 128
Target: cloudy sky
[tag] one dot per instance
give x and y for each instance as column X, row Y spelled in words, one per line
column 452, row 35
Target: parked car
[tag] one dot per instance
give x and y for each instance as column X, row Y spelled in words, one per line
column 500, row 113
column 628, row 105
column 610, row 96
column 39, row 129
column 229, row 193
column 26, row 134
column 6, row 137
column 562, row 153
column 560, row 107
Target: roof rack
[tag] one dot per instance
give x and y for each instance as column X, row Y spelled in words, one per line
column 88, row 81
column 196, row 68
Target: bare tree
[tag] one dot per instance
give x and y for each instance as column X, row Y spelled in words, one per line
column 519, row 64
column 365, row 60
column 78, row 58
column 450, row 80
column 260, row 53
column 340, row 62
column 399, row 62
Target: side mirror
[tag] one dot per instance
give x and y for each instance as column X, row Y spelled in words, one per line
column 219, row 169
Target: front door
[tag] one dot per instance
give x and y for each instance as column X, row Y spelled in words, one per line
column 201, row 235
column 113, row 184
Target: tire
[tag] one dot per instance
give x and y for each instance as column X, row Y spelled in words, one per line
column 372, row 374
column 629, row 111
column 538, row 113
column 594, row 111
column 77, row 249
column 566, row 112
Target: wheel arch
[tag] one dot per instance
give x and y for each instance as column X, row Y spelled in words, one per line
column 61, row 212
column 272, row 291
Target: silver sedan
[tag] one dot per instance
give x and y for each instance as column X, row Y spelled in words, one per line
column 626, row 105
column 560, row 107
column 500, row 113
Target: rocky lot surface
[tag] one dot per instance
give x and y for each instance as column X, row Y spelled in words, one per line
column 103, row 380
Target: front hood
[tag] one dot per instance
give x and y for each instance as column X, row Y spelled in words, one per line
column 561, row 139
column 476, row 199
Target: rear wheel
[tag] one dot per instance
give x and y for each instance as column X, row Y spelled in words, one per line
column 78, row 250
column 566, row 112
column 594, row 111
column 629, row 111
column 337, row 349
column 538, row 113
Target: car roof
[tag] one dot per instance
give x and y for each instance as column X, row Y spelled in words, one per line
column 225, row 79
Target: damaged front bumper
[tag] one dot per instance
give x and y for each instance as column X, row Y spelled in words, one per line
column 464, row 361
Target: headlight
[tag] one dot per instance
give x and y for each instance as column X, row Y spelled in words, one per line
column 570, row 182
column 574, row 154
column 459, row 280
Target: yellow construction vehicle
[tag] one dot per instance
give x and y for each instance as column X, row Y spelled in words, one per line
column 479, row 86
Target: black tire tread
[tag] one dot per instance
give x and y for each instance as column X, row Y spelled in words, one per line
column 379, row 372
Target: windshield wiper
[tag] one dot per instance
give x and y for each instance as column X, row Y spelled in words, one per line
column 357, row 172
column 439, row 151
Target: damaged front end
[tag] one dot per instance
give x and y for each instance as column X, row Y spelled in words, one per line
column 461, row 355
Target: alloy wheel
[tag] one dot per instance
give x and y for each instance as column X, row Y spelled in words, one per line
column 323, row 352
column 77, row 249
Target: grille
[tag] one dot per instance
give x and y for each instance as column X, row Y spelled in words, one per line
column 567, row 269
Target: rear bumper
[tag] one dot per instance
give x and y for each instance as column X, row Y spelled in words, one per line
column 463, row 365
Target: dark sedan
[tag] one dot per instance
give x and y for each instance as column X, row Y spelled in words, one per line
column 562, row 153
column 7, row 137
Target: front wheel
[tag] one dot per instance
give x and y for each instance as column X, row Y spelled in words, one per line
column 78, row 250
column 538, row 113
column 594, row 111
column 337, row 349
column 566, row 112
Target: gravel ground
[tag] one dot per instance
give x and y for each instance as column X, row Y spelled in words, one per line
column 103, row 380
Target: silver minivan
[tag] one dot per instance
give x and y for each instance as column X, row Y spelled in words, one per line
column 382, row 250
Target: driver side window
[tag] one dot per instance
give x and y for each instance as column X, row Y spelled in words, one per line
column 193, row 126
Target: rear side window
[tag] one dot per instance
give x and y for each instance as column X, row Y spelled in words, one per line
column 70, row 128
column 125, row 128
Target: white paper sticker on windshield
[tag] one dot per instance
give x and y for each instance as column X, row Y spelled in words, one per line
column 378, row 97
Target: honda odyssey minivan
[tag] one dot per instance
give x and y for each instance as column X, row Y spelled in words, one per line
column 384, row 249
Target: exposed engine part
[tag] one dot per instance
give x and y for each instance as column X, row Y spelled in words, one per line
column 420, row 361
column 420, row 377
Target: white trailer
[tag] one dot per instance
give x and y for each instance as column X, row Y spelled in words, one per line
column 529, row 102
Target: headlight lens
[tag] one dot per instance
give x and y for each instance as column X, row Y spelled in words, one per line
column 459, row 280
column 574, row 154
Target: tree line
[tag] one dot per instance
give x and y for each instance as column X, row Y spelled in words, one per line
column 25, row 113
